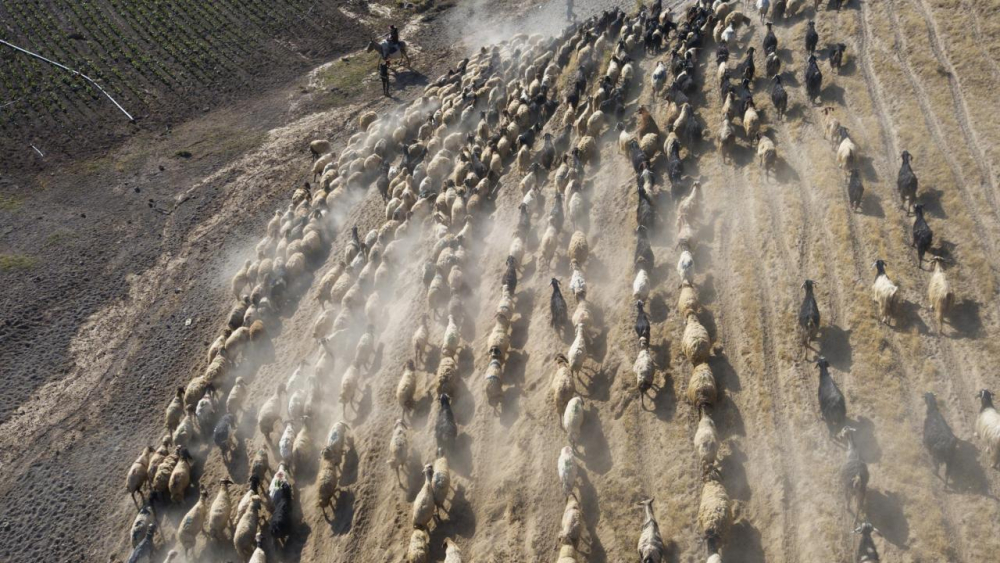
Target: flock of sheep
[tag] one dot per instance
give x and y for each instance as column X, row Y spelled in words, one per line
column 438, row 167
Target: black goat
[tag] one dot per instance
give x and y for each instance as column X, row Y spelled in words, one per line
column 645, row 213
column 557, row 307
column 509, row 277
column 556, row 216
column 939, row 440
column 855, row 189
column 238, row 312
column 636, row 156
column 641, row 322
column 527, row 139
column 523, row 220
column 675, row 167
column 721, row 54
column 445, row 429
column 222, row 433
column 643, row 250
column 808, row 315
column 778, row 10
column 866, row 548
column 922, row 234
column 772, row 65
column 832, row 406
column 906, row 182
column 814, row 78
column 779, row 97
column 854, row 475
column 770, row 41
column 837, row 56
column 547, row 156
column 144, row 551
column 812, row 38
column 746, row 69
column 281, row 516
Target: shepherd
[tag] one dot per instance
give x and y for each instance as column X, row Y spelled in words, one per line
column 390, row 46
column 383, row 74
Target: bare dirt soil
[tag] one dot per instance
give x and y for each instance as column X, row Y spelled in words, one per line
column 117, row 282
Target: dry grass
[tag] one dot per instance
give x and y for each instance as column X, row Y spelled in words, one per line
column 12, row 262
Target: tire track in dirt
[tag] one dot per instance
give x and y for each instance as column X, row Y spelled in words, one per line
column 961, row 106
column 934, row 127
column 952, row 515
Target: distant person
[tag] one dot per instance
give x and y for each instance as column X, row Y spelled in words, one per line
column 393, row 37
column 383, row 74
column 570, row 16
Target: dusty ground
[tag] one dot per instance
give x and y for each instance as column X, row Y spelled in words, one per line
column 95, row 333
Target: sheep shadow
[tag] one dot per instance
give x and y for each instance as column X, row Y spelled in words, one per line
column 865, row 439
column 413, row 475
column 343, row 513
column 599, row 386
column 510, row 406
column 967, row 474
column 833, row 92
column 364, row 407
column 707, row 293
column 871, row 205
column 965, row 320
column 736, row 482
column 658, row 309
column 930, row 197
column 460, row 521
column 460, row 456
column 885, row 512
column 349, row 467
column 522, row 308
column 591, row 508
column 835, row 346
column 296, row 542
column 596, row 450
column 908, row 317
column 747, row 537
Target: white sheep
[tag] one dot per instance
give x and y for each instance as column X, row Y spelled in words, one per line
column 349, row 385
column 572, row 419
column 567, row 554
column 578, row 350
column 685, row 267
column 847, row 152
column 751, row 122
column 988, row 427
column 567, row 470
column 452, row 554
column 259, row 555
column 424, row 508
column 640, row 287
column 419, row 548
column 767, row 155
column 270, row 412
column 714, row 511
column 939, row 292
column 884, row 293
column 419, row 339
column 246, row 530
column 138, row 472
column 650, row 546
column 450, row 341
column 577, row 283
column 327, row 478
column 579, row 250
column 220, row 512
column 701, row 387
column 236, row 398
column 406, row 387
column 695, row 342
column 441, row 479
column 180, row 477
column 398, row 447
column 193, row 523
column 500, row 336
column 643, row 367
column 706, row 439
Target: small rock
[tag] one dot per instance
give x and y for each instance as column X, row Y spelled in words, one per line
column 187, row 322
column 83, row 215
column 177, row 290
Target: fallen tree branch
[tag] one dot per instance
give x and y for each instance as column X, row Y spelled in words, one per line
column 71, row 71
